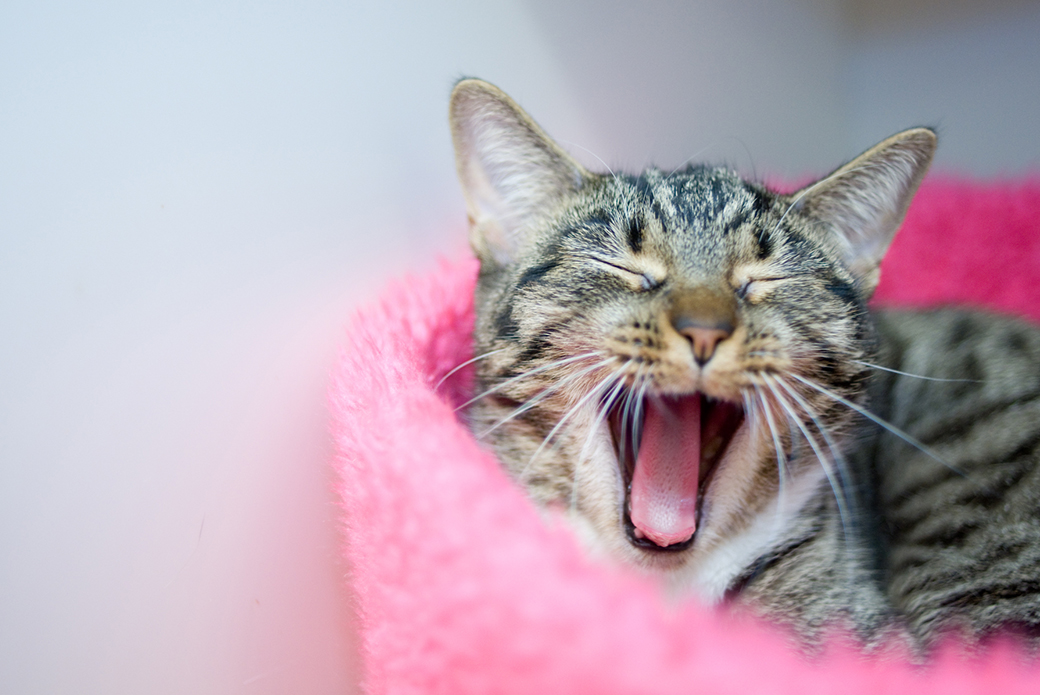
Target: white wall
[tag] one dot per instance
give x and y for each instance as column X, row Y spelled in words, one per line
column 192, row 198
column 754, row 83
column 194, row 195
column 973, row 73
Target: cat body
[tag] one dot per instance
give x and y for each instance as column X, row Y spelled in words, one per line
column 679, row 363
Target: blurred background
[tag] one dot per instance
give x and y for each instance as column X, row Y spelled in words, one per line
column 194, row 195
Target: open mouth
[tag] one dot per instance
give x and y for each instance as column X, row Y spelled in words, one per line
column 667, row 448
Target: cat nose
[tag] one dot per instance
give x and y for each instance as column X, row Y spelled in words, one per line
column 703, row 338
column 705, row 318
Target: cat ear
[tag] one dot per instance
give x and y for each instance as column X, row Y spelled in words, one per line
column 864, row 201
column 511, row 171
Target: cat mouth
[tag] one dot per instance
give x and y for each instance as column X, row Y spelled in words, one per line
column 668, row 448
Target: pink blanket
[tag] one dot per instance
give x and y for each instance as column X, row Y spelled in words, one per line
column 461, row 586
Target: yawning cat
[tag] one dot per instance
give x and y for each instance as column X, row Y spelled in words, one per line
column 684, row 363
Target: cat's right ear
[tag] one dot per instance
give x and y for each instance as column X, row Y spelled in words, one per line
column 511, row 171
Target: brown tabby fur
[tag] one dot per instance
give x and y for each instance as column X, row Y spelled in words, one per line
column 813, row 515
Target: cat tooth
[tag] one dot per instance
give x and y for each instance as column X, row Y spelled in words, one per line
column 712, row 448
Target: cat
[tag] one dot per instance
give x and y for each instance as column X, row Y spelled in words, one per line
column 685, row 366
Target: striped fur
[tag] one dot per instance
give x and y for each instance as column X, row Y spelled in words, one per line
column 964, row 532
column 586, row 283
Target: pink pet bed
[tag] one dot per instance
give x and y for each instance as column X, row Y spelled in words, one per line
column 462, row 587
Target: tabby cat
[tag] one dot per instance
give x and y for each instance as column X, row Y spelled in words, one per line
column 684, row 364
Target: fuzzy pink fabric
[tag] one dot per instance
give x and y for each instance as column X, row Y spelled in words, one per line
column 462, row 587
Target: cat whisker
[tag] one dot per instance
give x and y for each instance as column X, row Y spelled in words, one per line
column 915, row 376
column 825, row 463
column 781, row 456
column 754, row 423
column 810, row 189
column 542, row 395
column 840, row 464
column 627, row 408
column 586, row 149
column 637, row 423
column 843, row 472
column 594, row 392
column 751, row 160
column 530, row 373
column 881, row 422
column 602, row 412
column 466, row 363
column 608, row 403
column 689, row 159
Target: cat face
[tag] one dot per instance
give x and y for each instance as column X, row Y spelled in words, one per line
column 666, row 353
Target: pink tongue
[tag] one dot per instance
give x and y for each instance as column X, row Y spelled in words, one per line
column 664, row 483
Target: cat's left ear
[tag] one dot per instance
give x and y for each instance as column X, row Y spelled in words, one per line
column 511, row 172
column 864, row 202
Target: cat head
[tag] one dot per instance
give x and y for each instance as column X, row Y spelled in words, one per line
column 666, row 354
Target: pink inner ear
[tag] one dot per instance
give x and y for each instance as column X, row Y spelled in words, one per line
column 664, row 482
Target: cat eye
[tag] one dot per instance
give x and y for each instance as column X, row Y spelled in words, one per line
column 749, row 288
column 646, row 282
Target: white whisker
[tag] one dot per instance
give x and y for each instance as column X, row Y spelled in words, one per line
column 692, row 157
column 781, row 456
column 836, row 456
column 607, row 405
column 542, row 395
column 879, row 421
column 915, row 376
column 467, row 362
column 637, row 422
column 806, row 191
column 586, row 149
column 529, row 373
column 595, row 391
column 627, row 408
column 603, row 410
column 839, row 492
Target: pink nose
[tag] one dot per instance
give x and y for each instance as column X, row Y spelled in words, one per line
column 705, row 316
column 704, row 339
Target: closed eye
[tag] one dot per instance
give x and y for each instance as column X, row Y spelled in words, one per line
column 645, row 280
column 755, row 286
